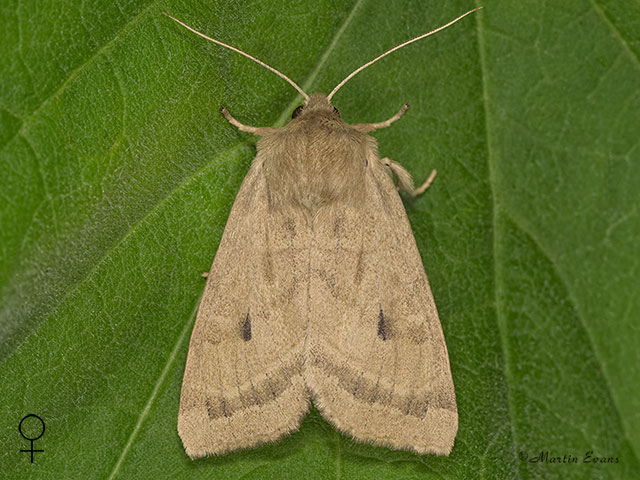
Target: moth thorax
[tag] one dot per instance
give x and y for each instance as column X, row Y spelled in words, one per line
column 332, row 171
column 318, row 168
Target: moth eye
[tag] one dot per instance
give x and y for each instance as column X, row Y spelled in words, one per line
column 296, row 112
column 336, row 111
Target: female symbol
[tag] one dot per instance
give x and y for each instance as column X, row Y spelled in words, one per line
column 28, row 438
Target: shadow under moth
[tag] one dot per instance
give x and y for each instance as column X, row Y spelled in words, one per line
column 317, row 292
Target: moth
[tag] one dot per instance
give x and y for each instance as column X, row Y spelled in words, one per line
column 317, row 292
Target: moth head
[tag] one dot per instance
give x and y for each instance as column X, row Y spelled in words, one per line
column 317, row 103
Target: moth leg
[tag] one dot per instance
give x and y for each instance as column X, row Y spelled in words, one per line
column 245, row 128
column 404, row 178
column 370, row 127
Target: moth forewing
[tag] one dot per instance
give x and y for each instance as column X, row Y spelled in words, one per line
column 376, row 362
column 317, row 291
column 243, row 383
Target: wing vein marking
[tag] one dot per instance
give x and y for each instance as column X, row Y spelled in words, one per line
column 266, row 317
column 226, row 412
column 403, row 259
column 394, row 345
column 354, row 326
column 250, row 199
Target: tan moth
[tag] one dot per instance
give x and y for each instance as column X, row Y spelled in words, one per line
column 317, row 292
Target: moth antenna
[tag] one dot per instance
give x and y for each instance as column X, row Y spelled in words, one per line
column 397, row 47
column 260, row 62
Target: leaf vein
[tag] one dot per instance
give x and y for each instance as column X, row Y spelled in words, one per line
column 76, row 71
column 494, row 215
column 154, row 393
column 580, row 317
column 609, row 22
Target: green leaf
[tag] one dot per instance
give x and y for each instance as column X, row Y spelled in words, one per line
column 117, row 175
